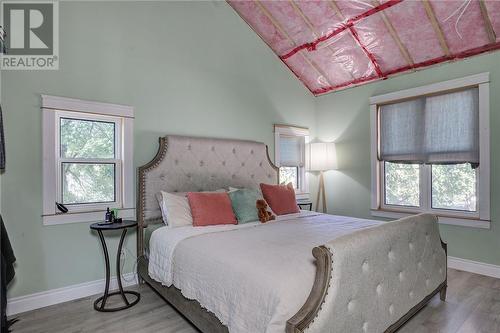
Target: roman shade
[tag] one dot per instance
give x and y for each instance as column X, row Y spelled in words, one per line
column 291, row 148
column 437, row 129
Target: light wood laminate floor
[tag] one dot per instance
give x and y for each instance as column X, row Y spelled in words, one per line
column 472, row 305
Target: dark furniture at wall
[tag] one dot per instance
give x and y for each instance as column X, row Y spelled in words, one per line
column 100, row 303
column 305, row 204
column 7, row 273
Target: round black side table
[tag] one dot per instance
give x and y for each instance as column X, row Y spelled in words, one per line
column 305, row 202
column 102, row 300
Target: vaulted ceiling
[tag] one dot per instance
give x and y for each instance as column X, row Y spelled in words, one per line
column 332, row 45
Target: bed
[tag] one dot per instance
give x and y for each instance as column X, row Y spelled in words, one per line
column 305, row 272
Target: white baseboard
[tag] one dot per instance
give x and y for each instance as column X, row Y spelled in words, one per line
column 474, row 267
column 42, row 299
column 55, row 296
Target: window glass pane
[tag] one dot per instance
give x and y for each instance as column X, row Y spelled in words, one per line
column 289, row 175
column 87, row 139
column 88, row 183
column 402, row 184
column 454, row 187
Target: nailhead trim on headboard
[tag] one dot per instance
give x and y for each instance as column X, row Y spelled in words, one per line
column 141, row 193
column 186, row 161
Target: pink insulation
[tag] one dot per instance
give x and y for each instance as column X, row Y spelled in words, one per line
column 331, row 45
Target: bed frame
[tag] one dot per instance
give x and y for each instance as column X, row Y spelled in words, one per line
column 193, row 164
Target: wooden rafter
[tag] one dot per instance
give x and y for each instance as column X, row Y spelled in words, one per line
column 436, row 27
column 336, row 9
column 487, row 22
column 304, row 17
column 395, row 36
column 355, row 36
column 282, row 31
column 311, row 27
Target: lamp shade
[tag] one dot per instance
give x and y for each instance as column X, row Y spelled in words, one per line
column 322, row 156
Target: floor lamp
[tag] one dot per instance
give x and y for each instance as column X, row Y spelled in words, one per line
column 322, row 157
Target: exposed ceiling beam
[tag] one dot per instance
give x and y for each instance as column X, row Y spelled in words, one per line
column 395, row 36
column 304, row 17
column 487, row 22
column 355, row 36
column 313, row 45
column 336, row 9
column 282, row 31
column 313, row 30
column 436, row 27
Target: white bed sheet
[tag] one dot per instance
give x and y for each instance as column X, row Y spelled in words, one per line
column 253, row 277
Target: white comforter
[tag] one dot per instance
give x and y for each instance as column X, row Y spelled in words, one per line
column 253, row 277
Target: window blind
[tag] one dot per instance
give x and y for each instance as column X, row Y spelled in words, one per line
column 291, row 151
column 440, row 129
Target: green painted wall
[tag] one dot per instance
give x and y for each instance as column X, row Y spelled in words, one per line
column 344, row 117
column 191, row 68
column 188, row 68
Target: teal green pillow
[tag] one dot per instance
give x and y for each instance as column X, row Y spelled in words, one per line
column 243, row 202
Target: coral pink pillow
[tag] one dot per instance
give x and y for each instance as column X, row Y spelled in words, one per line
column 281, row 198
column 210, row 208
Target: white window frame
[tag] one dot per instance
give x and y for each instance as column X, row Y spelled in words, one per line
column 53, row 109
column 478, row 219
column 288, row 130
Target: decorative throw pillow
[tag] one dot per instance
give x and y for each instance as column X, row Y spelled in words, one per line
column 175, row 210
column 281, row 198
column 211, row 209
column 163, row 207
column 243, row 202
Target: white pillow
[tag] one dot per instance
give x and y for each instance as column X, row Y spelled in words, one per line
column 232, row 189
column 175, row 210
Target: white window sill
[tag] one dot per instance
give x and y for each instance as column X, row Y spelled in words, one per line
column 464, row 222
column 301, row 195
column 94, row 216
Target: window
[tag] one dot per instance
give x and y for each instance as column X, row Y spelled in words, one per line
column 402, row 184
column 87, row 159
column 430, row 151
column 289, row 175
column 290, row 153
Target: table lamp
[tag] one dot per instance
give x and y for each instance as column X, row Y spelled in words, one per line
column 322, row 157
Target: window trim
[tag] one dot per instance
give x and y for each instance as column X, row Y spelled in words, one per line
column 117, row 160
column 480, row 218
column 426, row 197
column 288, row 130
column 54, row 108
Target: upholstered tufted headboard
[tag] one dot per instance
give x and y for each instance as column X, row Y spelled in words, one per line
column 185, row 164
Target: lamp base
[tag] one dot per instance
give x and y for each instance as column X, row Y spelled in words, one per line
column 321, row 193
